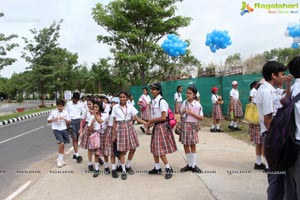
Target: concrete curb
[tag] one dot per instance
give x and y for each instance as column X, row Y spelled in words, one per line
column 16, row 119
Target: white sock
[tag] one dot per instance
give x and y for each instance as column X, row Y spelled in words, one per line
column 128, row 163
column 235, row 125
column 105, row 164
column 266, row 162
column 218, row 126
column 188, row 158
column 113, row 166
column 157, row 166
column 96, row 166
column 193, row 159
column 123, row 168
column 212, row 126
column 77, row 154
column 119, row 163
column 167, row 166
column 60, row 156
column 258, row 159
column 231, row 123
column 90, row 163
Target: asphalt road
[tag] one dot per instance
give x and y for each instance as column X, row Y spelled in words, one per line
column 10, row 107
column 27, row 151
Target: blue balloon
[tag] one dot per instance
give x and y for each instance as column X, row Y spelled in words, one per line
column 174, row 46
column 218, row 39
column 295, row 45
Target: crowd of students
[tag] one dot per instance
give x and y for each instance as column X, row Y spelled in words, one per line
column 110, row 121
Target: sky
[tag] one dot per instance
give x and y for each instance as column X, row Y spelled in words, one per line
column 251, row 33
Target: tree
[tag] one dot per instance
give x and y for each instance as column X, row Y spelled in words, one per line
column 41, row 53
column 233, row 60
column 6, row 46
column 135, row 27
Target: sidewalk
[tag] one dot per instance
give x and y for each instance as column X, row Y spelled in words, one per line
column 227, row 164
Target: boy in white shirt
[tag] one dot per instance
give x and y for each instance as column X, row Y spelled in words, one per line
column 60, row 119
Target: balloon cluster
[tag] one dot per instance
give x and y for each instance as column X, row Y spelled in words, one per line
column 217, row 40
column 174, row 46
column 294, row 32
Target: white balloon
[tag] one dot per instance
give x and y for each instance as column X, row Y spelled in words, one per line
column 286, row 33
column 296, row 39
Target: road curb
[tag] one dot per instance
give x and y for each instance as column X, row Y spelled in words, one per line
column 16, row 119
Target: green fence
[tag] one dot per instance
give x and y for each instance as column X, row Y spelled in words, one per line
column 204, row 85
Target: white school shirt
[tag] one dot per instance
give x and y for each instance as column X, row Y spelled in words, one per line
column 61, row 125
column 76, row 111
column 265, row 103
column 195, row 107
column 253, row 94
column 88, row 116
column 157, row 108
column 110, row 120
column 234, row 93
column 178, row 97
column 130, row 102
column 106, row 107
column 214, row 98
column 124, row 113
column 97, row 126
column 278, row 95
column 295, row 90
column 147, row 99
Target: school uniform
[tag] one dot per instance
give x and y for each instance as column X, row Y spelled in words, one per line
column 162, row 138
column 265, row 104
column 131, row 102
column 216, row 109
column 85, row 131
column 292, row 177
column 237, row 109
column 145, row 114
column 189, row 134
column 99, row 128
column 254, row 129
column 126, row 135
column 76, row 113
column 108, row 147
column 178, row 101
column 60, row 127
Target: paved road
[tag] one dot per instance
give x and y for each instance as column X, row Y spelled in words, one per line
column 6, row 108
column 26, row 149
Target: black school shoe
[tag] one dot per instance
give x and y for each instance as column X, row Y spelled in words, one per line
column 101, row 162
column 106, row 171
column 169, row 173
column 124, row 176
column 114, row 173
column 91, row 168
column 78, row 159
column 237, row 129
column 186, row 168
column 155, row 171
column 196, row 170
column 231, row 128
column 119, row 169
column 129, row 171
column 74, row 156
column 96, row 173
column 142, row 128
column 213, row 130
column 220, row 130
column 262, row 166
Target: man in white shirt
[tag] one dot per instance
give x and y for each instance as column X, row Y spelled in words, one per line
column 76, row 112
column 274, row 75
column 292, row 178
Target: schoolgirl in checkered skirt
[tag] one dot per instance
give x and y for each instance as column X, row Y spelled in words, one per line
column 254, row 132
column 217, row 114
column 84, row 130
column 192, row 110
column 97, row 126
column 237, row 108
column 124, row 133
column 162, row 139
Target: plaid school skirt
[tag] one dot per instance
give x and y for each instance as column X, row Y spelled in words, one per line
column 177, row 107
column 254, row 132
column 126, row 136
column 162, row 140
column 85, row 138
column 189, row 134
column 217, row 112
column 108, row 147
column 237, row 109
column 146, row 115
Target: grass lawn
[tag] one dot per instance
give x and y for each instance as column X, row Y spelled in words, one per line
column 241, row 135
column 26, row 112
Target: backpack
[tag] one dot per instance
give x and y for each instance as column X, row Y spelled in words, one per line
column 280, row 148
column 170, row 118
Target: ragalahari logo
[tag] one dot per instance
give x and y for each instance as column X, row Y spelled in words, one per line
column 246, row 8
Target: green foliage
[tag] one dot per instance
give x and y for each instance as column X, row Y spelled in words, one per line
column 5, row 47
column 135, row 27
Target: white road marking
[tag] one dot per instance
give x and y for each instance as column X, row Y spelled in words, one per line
column 18, row 191
column 22, row 134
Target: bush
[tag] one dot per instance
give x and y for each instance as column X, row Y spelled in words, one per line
column 20, row 99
